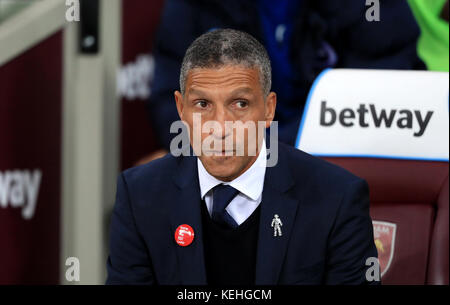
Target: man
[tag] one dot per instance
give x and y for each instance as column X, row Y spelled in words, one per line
column 228, row 218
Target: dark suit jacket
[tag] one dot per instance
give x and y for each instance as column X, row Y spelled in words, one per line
column 327, row 230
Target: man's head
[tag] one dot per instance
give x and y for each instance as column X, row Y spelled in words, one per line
column 226, row 77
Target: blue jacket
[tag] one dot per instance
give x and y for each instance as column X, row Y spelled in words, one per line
column 326, row 33
column 327, row 230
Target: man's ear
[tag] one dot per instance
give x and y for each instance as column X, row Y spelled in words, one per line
column 179, row 103
column 271, row 104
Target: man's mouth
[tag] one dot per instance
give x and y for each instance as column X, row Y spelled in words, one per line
column 220, row 152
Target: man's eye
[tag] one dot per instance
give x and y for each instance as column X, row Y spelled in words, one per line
column 241, row 104
column 202, row 104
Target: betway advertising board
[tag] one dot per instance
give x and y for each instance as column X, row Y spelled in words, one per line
column 377, row 114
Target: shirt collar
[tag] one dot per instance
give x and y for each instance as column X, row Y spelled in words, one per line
column 250, row 183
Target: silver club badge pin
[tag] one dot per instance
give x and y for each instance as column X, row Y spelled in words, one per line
column 276, row 225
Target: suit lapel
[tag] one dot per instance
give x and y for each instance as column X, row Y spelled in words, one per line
column 186, row 210
column 271, row 249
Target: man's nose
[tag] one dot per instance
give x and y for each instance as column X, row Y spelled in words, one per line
column 222, row 116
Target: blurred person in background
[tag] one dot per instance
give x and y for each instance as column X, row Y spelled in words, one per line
column 432, row 47
column 303, row 37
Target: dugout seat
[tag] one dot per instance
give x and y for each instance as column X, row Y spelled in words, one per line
column 409, row 196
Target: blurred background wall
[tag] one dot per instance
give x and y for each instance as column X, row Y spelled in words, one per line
column 70, row 110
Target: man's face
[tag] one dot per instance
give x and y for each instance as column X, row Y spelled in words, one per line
column 227, row 94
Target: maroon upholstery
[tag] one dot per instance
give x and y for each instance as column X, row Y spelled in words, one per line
column 437, row 272
column 413, row 195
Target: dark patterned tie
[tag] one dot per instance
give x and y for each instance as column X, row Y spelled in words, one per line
column 222, row 196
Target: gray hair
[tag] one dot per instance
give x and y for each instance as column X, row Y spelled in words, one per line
column 226, row 46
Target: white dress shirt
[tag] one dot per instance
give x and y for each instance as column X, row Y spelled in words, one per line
column 249, row 184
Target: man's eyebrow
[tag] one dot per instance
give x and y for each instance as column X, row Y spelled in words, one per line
column 197, row 92
column 242, row 90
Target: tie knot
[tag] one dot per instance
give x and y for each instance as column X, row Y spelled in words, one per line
column 223, row 194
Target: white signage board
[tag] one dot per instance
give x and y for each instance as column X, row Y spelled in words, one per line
column 377, row 113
